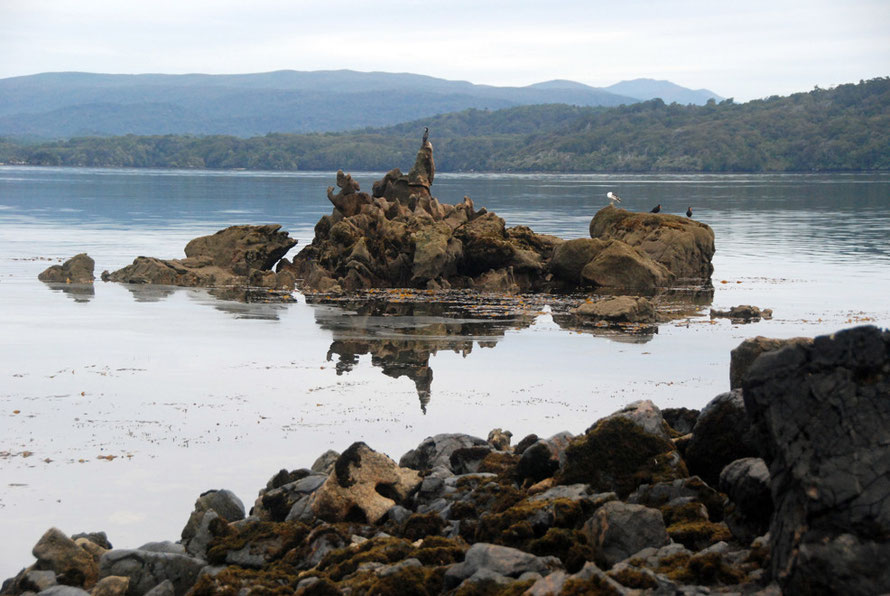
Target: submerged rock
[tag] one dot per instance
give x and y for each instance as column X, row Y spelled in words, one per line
column 744, row 313
column 76, row 270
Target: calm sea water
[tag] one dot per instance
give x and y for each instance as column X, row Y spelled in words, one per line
column 187, row 392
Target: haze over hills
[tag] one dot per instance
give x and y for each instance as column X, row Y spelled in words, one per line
column 67, row 104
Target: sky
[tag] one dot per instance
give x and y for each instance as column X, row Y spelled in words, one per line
column 746, row 49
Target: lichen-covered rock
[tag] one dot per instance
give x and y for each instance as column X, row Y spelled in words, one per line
column 722, row 434
column 743, row 356
column 112, row 585
column 747, row 484
column 681, row 245
column 73, row 565
column 355, row 489
column 618, row 530
column 822, row 415
column 76, row 270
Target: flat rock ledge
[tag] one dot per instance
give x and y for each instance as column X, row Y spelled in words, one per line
column 400, row 236
column 238, row 256
column 780, row 487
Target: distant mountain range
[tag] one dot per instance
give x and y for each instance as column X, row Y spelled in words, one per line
column 68, row 104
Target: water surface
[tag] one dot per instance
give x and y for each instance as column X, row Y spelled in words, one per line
column 120, row 405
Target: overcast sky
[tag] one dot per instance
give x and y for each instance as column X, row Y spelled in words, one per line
column 745, row 49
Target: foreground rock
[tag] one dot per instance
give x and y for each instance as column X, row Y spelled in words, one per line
column 401, row 236
column 614, row 510
column 822, row 413
column 76, row 270
column 237, row 256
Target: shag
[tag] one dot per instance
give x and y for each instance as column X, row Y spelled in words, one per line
column 689, row 211
column 613, row 198
column 656, row 209
column 426, row 135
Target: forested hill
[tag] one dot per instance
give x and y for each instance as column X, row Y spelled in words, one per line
column 846, row 128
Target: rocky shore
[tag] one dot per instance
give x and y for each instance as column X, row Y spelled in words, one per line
column 779, row 486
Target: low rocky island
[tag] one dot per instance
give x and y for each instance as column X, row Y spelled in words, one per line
column 779, row 486
column 401, row 236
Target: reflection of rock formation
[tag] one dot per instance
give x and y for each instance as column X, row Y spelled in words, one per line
column 77, row 292
column 401, row 336
column 401, row 329
column 240, row 302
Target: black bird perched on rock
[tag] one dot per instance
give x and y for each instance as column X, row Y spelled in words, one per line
column 689, row 211
column 656, row 209
column 426, row 135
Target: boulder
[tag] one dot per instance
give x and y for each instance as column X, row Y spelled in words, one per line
column 744, row 355
column 747, row 484
column 435, row 452
column 73, row 565
column 617, row 530
column 681, row 245
column 822, row 415
column 356, row 487
column 500, row 439
column 622, row 451
column 503, row 560
column 112, row 585
column 618, row 309
column 722, row 434
column 619, row 265
column 240, row 249
column 543, row 458
column 682, row 420
column 76, row 270
column 146, row 569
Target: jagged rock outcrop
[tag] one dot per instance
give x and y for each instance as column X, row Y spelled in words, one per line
column 76, row 270
column 402, row 236
column 236, row 256
column 681, row 245
column 821, row 413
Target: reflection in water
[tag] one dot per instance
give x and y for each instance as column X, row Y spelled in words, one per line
column 149, row 292
column 241, row 302
column 402, row 329
column 77, row 292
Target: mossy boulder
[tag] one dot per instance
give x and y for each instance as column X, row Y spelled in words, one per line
column 618, row 455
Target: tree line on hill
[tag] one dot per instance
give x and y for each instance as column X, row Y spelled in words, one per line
column 846, row 128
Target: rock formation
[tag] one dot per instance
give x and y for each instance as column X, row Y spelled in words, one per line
column 76, row 270
column 237, row 256
column 400, row 236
